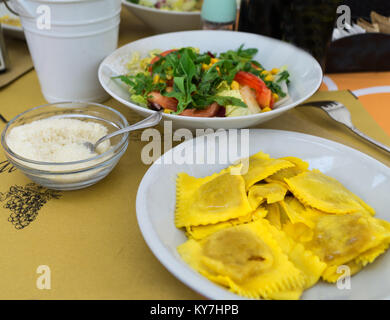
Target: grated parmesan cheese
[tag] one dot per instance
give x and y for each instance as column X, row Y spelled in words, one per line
column 57, row 140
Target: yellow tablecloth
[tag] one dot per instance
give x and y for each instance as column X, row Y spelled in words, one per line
column 89, row 238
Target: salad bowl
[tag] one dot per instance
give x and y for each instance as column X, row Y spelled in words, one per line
column 305, row 72
column 162, row 21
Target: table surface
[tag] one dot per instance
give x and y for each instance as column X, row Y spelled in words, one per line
column 90, row 237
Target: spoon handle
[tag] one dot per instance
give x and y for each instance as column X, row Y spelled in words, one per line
column 146, row 123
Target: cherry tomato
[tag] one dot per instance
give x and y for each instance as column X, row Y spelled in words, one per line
column 210, row 111
column 263, row 94
column 155, row 59
column 165, row 102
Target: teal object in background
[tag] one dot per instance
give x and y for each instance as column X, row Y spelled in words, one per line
column 219, row 11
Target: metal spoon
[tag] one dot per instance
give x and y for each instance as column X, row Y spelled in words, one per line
column 150, row 121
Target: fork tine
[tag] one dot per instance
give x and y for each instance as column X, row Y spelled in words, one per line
column 332, row 105
column 316, row 103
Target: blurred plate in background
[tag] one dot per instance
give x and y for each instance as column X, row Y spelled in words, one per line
column 162, row 21
column 11, row 23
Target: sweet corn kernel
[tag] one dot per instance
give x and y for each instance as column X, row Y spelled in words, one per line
column 235, row 85
column 269, row 78
column 214, row 60
column 267, row 109
column 156, row 79
column 168, row 111
column 275, row 96
column 264, row 73
column 206, row 66
column 275, row 71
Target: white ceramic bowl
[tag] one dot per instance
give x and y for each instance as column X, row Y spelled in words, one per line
column 162, row 21
column 363, row 175
column 306, row 73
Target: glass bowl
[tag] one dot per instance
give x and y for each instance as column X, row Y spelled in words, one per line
column 77, row 174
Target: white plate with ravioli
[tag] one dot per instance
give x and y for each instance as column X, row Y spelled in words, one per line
column 305, row 72
column 156, row 202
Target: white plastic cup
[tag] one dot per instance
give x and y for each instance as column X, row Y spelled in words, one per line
column 67, row 55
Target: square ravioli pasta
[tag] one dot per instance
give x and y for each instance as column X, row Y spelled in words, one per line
column 248, row 260
column 261, row 166
column 353, row 240
column 200, row 232
column 300, row 166
column 216, row 198
column 317, row 190
column 266, row 192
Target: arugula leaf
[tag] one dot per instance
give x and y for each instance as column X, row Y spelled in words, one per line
column 284, row 76
column 184, row 73
column 275, row 88
column 225, row 101
column 141, row 84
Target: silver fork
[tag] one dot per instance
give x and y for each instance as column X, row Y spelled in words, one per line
column 337, row 111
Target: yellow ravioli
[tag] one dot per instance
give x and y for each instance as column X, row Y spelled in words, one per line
column 354, row 239
column 299, row 167
column 296, row 212
column 324, row 193
column 310, row 264
column 200, row 232
column 371, row 254
column 209, row 200
column 262, row 166
column 340, row 239
column 334, row 273
column 273, row 215
column 275, row 231
column 259, row 213
column 270, row 192
column 246, row 259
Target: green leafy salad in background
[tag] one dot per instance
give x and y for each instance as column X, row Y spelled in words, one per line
column 186, row 82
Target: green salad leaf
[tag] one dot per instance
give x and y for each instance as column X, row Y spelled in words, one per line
column 194, row 79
